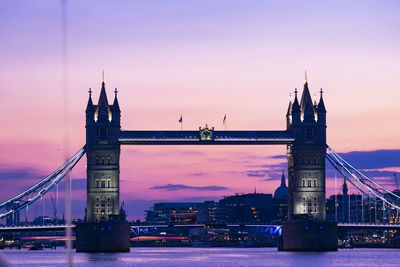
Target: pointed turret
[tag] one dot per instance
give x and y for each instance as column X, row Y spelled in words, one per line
column 103, row 107
column 321, row 110
column 306, row 104
column 90, row 106
column 116, row 104
column 115, row 110
column 321, row 104
column 289, row 110
column 103, row 101
column 305, row 98
column 289, row 115
column 295, row 109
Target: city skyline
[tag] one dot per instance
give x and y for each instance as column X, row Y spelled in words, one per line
column 220, row 62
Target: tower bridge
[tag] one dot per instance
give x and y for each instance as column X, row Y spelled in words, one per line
column 306, row 150
column 304, row 137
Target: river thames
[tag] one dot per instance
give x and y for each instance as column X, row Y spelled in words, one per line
column 207, row 257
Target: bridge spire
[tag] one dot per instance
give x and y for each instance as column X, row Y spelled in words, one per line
column 321, row 104
column 103, row 101
column 116, row 104
column 90, row 106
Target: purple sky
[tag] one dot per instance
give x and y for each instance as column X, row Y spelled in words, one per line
column 203, row 60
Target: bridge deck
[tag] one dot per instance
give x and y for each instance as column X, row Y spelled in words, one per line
column 194, row 138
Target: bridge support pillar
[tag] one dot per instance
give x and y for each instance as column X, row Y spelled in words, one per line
column 308, row 236
column 103, row 237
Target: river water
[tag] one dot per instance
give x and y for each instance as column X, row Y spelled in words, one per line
column 209, row 257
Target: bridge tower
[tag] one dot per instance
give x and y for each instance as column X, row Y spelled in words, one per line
column 306, row 156
column 103, row 125
column 307, row 228
column 105, row 229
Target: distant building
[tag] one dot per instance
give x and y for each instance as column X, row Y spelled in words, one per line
column 206, row 213
column 245, row 208
column 175, row 212
column 355, row 208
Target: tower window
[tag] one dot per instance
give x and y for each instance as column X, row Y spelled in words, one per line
column 97, row 160
column 304, row 183
column 309, row 183
column 97, row 185
column 315, row 183
column 102, row 161
column 103, row 183
column 108, row 160
column 108, row 184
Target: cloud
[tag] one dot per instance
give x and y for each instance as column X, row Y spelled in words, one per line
column 174, row 187
column 279, row 157
column 23, row 173
column 198, row 174
column 270, row 172
column 375, row 159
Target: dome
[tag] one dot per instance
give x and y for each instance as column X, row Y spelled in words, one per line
column 282, row 191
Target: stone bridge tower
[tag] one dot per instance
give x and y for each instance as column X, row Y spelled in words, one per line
column 103, row 153
column 306, row 156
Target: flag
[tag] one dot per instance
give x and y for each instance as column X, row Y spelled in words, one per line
column 224, row 121
column 180, row 120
